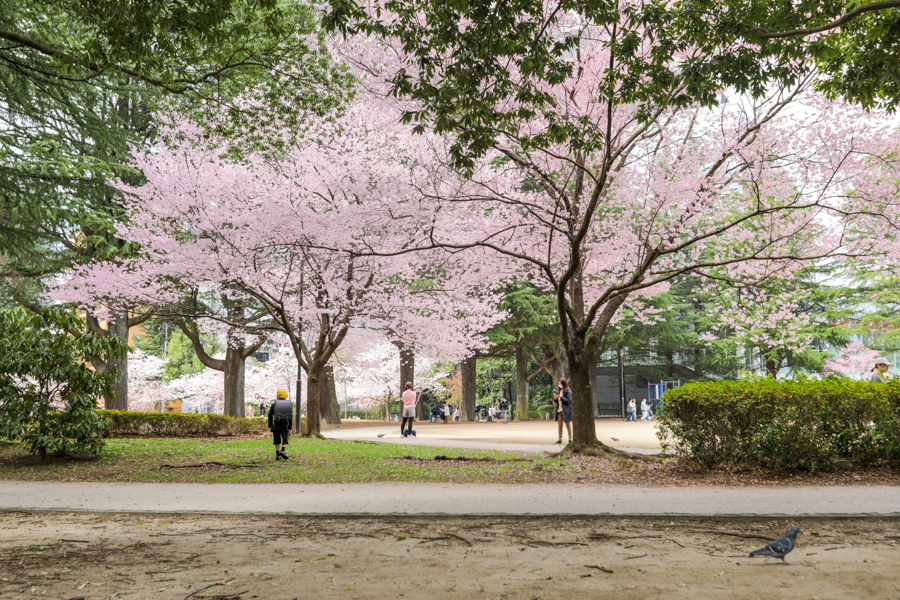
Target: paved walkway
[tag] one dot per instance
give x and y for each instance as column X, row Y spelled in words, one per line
column 424, row 499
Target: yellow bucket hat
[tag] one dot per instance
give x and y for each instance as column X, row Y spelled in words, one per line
column 281, row 395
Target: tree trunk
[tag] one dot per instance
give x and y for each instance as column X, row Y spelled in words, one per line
column 118, row 327
column 584, row 432
column 772, row 368
column 328, row 396
column 234, row 381
column 408, row 374
column 467, row 410
column 313, row 412
column 592, row 371
column 621, row 375
column 521, row 384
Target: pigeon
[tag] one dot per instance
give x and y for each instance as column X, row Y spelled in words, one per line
column 780, row 547
column 381, row 435
column 614, row 439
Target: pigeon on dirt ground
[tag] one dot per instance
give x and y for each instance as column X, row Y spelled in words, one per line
column 780, row 547
column 381, row 435
column 614, row 439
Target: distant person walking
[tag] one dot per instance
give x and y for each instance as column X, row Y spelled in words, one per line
column 504, row 409
column 564, row 409
column 646, row 415
column 280, row 422
column 456, row 414
column 632, row 408
column 409, row 410
column 879, row 370
column 446, row 412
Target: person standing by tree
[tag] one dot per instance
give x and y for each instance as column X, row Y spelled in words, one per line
column 879, row 370
column 409, row 410
column 280, row 422
column 564, row 408
column 504, row 409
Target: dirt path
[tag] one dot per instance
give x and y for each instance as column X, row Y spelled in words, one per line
column 114, row 556
column 527, row 436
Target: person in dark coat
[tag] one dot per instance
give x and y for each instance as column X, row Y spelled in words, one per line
column 280, row 423
column 564, row 408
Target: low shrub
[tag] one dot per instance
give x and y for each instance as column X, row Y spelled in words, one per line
column 783, row 424
column 541, row 412
column 137, row 424
column 48, row 395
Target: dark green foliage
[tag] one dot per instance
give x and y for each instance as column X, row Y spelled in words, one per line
column 48, row 394
column 784, row 424
column 133, row 424
column 80, row 82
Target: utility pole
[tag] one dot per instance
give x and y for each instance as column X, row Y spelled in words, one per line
column 622, row 379
column 298, row 426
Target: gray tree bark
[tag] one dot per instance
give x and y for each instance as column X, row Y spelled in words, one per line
column 118, row 326
column 233, row 368
column 408, row 374
column 331, row 410
column 467, row 410
column 313, row 406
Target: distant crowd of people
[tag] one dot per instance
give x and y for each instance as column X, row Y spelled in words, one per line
column 444, row 413
column 648, row 409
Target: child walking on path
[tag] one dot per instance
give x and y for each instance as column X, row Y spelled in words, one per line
column 280, row 423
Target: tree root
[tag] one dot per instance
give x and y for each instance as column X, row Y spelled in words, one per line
column 601, row 450
column 441, row 457
column 212, row 463
column 313, row 435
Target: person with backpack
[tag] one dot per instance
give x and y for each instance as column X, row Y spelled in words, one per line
column 504, row 409
column 280, row 423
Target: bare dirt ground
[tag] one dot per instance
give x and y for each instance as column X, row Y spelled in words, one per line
column 82, row 556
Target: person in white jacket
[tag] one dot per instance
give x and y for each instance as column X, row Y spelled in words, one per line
column 630, row 410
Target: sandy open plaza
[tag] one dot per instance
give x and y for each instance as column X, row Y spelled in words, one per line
column 535, row 436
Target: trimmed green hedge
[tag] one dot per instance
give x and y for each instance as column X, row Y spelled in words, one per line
column 783, row 424
column 137, row 424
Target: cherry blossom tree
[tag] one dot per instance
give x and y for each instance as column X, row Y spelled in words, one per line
column 200, row 391
column 295, row 236
column 264, row 379
column 148, row 391
column 604, row 202
column 371, row 376
column 855, row 360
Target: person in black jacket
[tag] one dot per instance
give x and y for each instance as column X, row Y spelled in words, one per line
column 564, row 408
column 280, row 423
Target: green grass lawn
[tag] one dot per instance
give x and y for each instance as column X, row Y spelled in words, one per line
column 252, row 461
column 248, row 460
